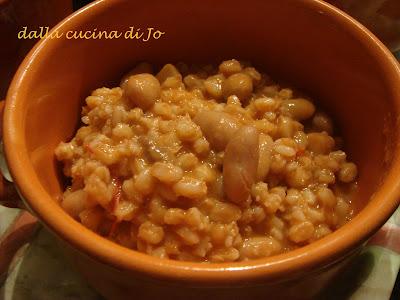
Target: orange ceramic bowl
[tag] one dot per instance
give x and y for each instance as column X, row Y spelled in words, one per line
column 308, row 43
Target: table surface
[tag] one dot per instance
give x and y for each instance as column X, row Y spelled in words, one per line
column 39, row 271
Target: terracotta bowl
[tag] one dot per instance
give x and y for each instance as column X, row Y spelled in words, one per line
column 14, row 15
column 308, row 43
column 382, row 17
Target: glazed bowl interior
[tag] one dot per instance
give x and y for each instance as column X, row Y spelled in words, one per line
column 308, row 44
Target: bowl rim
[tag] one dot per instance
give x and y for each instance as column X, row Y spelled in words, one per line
column 325, row 251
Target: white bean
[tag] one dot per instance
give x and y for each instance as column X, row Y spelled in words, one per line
column 218, row 127
column 142, row 67
column 264, row 162
column 240, row 164
column 142, row 90
column 300, row 109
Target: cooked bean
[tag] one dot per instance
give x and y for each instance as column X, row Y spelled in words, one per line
column 264, row 161
column 285, row 94
column 239, row 84
column 240, row 164
column 299, row 109
column 194, row 82
column 326, row 197
column 285, row 126
column 91, row 218
column 342, row 210
column 347, row 172
column 213, row 86
column 266, row 104
column 142, row 90
column 167, row 71
column 74, row 202
column 299, row 178
column 224, row 212
column 218, row 127
column 229, row 67
column 142, row 67
column 320, row 143
column 254, row 74
column 301, row 232
column 321, row 122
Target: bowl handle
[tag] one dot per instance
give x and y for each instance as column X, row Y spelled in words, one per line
column 8, row 194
